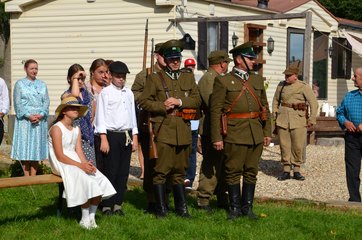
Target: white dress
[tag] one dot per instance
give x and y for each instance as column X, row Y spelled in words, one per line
column 78, row 185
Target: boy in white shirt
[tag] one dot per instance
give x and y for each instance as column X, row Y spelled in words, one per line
column 116, row 124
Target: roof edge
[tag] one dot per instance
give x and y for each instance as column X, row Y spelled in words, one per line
column 228, row 3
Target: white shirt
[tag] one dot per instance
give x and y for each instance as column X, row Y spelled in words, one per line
column 4, row 97
column 115, row 110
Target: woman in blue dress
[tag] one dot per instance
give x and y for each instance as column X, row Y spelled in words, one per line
column 31, row 103
column 76, row 79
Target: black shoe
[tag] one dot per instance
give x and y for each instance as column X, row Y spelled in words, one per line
column 119, row 212
column 206, row 208
column 298, row 176
column 107, row 212
column 284, row 176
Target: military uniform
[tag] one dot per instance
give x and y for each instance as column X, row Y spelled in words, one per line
column 173, row 133
column 246, row 132
column 211, row 171
column 292, row 123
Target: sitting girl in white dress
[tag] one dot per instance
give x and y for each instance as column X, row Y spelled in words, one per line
column 83, row 184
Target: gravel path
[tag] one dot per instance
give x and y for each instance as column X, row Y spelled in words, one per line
column 324, row 171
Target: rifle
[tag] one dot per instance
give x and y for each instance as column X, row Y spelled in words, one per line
column 145, row 46
column 152, row 146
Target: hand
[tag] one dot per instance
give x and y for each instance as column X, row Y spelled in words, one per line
column 359, row 129
column 267, row 141
column 33, row 119
column 104, row 144
column 2, row 114
column 350, row 126
column 88, row 167
column 78, row 75
column 171, row 103
column 219, row 145
column 199, row 146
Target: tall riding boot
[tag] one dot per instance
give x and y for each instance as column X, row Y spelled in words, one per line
column 247, row 200
column 161, row 210
column 234, row 201
column 180, row 200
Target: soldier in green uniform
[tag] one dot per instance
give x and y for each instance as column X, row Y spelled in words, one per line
column 290, row 110
column 143, row 134
column 240, row 94
column 167, row 95
column 211, row 178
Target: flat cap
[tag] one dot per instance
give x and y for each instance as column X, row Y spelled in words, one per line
column 216, row 57
column 290, row 70
column 171, row 49
column 118, row 67
column 157, row 47
column 245, row 49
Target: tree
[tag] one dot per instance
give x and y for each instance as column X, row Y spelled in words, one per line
column 349, row 9
column 4, row 23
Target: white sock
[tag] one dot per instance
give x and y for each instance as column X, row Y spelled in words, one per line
column 116, row 207
column 85, row 214
column 92, row 212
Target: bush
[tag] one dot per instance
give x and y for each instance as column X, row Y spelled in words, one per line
column 16, row 170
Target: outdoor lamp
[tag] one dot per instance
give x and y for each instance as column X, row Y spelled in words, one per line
column 270, row 45
column 234, row 40
column 330, row 51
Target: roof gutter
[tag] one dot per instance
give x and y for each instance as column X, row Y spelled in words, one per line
column 228, row 3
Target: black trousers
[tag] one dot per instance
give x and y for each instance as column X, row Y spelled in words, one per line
column 352, row 156
column 116, row 166
column 1, row 130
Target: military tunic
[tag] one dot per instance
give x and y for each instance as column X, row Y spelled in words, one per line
column 243, row 144
column 292, row 123
column 211, row 170
column 173, row 133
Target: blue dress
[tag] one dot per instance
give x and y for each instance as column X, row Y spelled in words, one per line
column 30, row 140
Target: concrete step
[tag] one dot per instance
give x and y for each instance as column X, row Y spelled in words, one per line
column 333, row 141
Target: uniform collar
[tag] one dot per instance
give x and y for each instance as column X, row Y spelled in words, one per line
column 241, row 74
column 174, row 75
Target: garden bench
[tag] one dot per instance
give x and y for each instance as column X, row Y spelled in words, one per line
column 325, row 127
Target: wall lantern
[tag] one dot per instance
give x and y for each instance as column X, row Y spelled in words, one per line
column 270, row 45
column 330, row 51
column 234, row 40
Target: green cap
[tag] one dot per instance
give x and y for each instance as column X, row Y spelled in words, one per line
column 245, row 49
column 157, row 47
column 216, row 57
column 171, row 49
column 291, row 70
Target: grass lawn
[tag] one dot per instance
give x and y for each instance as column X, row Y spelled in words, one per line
column 30, row 213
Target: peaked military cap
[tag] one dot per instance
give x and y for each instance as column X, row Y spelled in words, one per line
column 216, row 57
column 171, row 49
column 290, row 70
column 157, row 47
column 245, row 49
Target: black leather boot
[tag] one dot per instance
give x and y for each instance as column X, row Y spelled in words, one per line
column 234, row 201
column 180, row 201
column 160, row 195
column 247, row 200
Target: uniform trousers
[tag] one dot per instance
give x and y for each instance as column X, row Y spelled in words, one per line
column 116, row 165
column 292, row 142
column 241, row 160
column 353, row 154
column 211, row 172
column 171, row 162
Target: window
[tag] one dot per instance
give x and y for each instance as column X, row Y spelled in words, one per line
column 211, row 36
column 320, row 65
column 341, row 58
column 254, row 33
column 295, row 49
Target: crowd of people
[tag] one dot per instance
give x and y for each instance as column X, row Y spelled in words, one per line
column 225, row 116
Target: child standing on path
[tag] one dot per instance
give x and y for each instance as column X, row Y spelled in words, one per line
column 83, row 184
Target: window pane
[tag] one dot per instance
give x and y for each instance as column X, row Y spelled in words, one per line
column 212, row 36
column 296, row 50
column 320, row 67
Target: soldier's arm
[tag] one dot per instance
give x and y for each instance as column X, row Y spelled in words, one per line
column 217, row 100
column 148, row 99
column 267, row 124
column 275, row 102
column 313, row 104
column 193, row 100
column 204, row 90
column 138, row 85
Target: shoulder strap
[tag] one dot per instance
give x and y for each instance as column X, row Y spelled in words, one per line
column 252, row 93
column 237, row 98
column 280, row 94
column 164, row 85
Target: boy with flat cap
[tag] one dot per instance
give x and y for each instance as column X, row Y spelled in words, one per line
column 116, row 124
column 212, row 177
column 240, row 95
column 290, row 110
column 168, row 95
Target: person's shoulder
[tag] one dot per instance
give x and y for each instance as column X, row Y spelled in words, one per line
column 186, row 70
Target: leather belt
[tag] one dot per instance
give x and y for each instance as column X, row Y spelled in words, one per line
column 243, row 115
column 175, row 113
column 295, row 106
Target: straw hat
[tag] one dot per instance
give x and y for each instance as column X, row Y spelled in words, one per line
column 71, row 101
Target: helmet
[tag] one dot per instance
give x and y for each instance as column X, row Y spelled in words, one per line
column 189, row 62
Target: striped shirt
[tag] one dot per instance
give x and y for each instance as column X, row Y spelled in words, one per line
column 350, row 109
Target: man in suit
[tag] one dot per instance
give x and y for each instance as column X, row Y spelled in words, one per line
column 241, row 95
column 166, row 96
